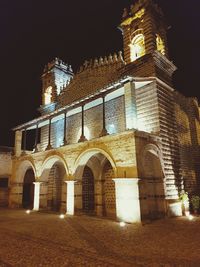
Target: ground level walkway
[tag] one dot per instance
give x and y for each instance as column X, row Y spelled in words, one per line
column 43, row 239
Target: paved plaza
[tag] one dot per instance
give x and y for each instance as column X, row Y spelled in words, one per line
column 43, row 239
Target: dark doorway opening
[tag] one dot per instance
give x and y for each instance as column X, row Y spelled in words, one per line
column 55, row 188
column 88, row 191
column 28, row 190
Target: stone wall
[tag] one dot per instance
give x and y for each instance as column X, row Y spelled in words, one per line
column 188, row 125
column 5, row 173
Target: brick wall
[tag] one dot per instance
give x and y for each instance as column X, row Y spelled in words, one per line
column 5, row 173
column 115, row 123
column 187, row 119
column 109, row 191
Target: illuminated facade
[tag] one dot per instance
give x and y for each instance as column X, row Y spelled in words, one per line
column 114, row 139
column 5, row 174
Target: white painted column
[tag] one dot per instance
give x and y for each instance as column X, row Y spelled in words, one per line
column 127, row 200
column 130, row 105
column 70, row 197
column 36, row 203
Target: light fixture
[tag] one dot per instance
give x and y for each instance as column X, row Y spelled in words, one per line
column 122, row 224
column 62, row 216
column 190, row 217
column 187, row 213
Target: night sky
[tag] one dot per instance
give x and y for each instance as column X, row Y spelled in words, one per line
column 33, row 32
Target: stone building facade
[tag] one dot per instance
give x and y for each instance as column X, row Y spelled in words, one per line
column 115, row 139
column 5, row 174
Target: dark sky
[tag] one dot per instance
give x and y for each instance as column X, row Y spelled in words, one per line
column 33, row 32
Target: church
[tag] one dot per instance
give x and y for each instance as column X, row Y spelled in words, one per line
column 114, row 139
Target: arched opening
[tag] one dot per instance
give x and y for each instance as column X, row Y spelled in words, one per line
column 53, row 190
column 28, row 189
column 94, row 187
column 48, row 95
column 154, row 185
column 88, row 190
column 137, row 47
column 160, row 44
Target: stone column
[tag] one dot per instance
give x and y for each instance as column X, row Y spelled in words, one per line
column 127, row 200
column 104, row 131
column 24, row 142
column 82, row 138
column 49, row 139
column 36, row 139
column 18, row 143
column 36, row 203
column 130, row 105
column 65, row 130
column 70, row 197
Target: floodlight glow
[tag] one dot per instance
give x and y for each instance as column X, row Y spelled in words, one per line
column 28, row 211
column 62, row 216
column 122, row 224
column 187, row 213
column 190, row 217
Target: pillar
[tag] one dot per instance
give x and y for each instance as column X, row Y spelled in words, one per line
column 18, row 143
column 24, row 142
column 130, row 105
column 65, row 130
column 82, row 138
column 49, row 139
column 36, row 139
column 127, row 200
column 70, row 197
column 104, row 131
column 36, row 203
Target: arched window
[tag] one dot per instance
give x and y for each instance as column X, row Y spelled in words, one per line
column 48, row 95
column 160, row 44
column 137, row 47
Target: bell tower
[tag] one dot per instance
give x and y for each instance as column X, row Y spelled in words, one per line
column 55, row 77
column 144, row 30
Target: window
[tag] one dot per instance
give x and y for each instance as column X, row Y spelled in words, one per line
column 160, row 44
column 48, row 95
column 3, row 182
column 137, row 47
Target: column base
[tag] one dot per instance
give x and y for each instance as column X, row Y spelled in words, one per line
column 103, row 133
column 65, row 143
column 174, row 208
column 127, row 200
column 82, row 139
column 23, row 153
column 48, row 147
column 36, row 150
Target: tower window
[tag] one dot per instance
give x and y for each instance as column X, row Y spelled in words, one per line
column 137, row 47
column 160, row 44
column 48, row 95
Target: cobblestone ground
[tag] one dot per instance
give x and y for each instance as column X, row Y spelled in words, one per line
column 43, row 239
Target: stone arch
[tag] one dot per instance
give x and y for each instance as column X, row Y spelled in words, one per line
column 52, row 159
column 22, row 168
column 156, row 151
column 88, row 153
column 137, row 45
column 94, row 187
column 153, row 182
column 53, row 189
column 25, row 177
